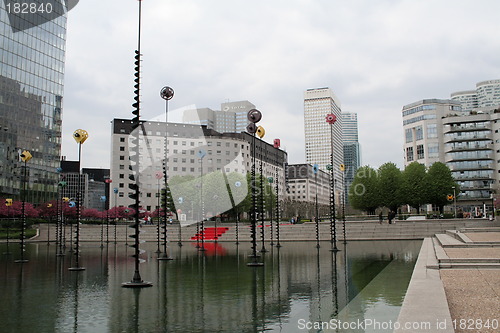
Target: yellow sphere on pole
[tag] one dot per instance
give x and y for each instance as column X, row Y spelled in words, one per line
column 80, row 136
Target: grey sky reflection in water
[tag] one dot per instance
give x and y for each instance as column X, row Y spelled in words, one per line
column 215, row 292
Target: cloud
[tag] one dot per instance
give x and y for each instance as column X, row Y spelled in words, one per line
column 376, row 56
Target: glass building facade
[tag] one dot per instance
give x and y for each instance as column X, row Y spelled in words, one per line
column 352, row 149
column 31, row 90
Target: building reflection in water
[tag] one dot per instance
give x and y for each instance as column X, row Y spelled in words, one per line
column 206, row 292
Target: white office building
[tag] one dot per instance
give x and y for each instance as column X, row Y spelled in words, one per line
column 225, row 154
column 423, row 129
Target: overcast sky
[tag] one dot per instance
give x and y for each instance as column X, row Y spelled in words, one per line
column 377, row 56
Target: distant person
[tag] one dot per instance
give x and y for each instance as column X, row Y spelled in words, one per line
column 380, row 217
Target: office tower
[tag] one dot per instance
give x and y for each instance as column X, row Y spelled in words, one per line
column 317, row 104
column 423, row 129
column 352, row 149
column 31, row 90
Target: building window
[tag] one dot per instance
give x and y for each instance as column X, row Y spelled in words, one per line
column 122, row 148
column 419, row 133
column 122, row 157
column 432, row 150
column 420, row 152
column 409, row 154
column 432, row 131
column 409, row 135
column 122, row 139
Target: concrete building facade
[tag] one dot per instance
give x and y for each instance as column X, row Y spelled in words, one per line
column 472, row 151
column 226, row 153
column 423, row 130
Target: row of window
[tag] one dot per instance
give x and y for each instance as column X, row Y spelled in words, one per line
column 419, row 118
column 418, row 109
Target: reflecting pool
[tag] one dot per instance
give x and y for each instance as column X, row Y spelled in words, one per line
column 299, row 289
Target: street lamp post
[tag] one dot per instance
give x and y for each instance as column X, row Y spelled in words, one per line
column 158, row 176
column 25, row 157
column 342, row 170
column 167, row 94
column 254, row 116
column 137, row 281
column 103, row 199
column 80, row 137
column 115, row 191
column 331, row 119
column 261, row 132
column 315, row 171
column 201, row 233
column 277, row 143
column 454, row 201
column 271, row 236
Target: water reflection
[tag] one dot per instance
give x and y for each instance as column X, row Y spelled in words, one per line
column 210, row 291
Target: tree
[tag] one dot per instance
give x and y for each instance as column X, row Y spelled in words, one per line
column 389, row 182
column 91, row 213
column 363, row 193
column 440, row 185
column 415, row 187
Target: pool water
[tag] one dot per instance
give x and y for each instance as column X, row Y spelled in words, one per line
column 298, row 289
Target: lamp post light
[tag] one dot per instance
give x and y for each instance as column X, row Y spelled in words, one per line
column 25, row 157
column 254, row 116
column 331, row 119
column 166, row 93
column 158, row 176
column 80, row 137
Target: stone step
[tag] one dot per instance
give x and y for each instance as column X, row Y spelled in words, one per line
column 469, row 260
column 469, row 265
column 448, row 241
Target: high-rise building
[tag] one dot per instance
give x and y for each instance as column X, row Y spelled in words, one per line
column 423, row 129
column 352, row 149
column 31, row 90
column 317, row 104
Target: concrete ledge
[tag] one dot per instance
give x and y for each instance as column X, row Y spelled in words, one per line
column 425, row 300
